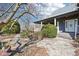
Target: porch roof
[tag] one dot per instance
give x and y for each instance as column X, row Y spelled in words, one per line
column 65, row 16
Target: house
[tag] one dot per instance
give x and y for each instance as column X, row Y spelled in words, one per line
column 66, row 19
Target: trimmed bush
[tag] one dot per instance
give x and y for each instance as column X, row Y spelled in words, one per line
column 3, row 44
column 0, row 45
column 49, row 31
column 2, row 25
column 24, row 34
column 15, row 28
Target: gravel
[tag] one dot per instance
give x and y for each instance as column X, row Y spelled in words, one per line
column 58, row 46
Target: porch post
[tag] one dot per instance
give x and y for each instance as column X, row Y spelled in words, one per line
column 57, row 26
column 41, row 25
column 75, row 28
column 55, row 21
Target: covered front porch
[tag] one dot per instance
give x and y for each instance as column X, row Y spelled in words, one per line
column 68, row 23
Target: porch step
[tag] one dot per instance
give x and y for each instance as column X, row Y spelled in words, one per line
column 65, row 35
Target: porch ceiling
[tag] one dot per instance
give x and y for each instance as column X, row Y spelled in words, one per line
column 66, row 16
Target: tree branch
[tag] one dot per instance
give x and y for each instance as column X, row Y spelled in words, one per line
column 15, row 10
column 11, row 15
column 7, row 10
column 20, row 17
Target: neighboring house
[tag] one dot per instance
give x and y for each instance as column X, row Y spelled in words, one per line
column 66, row 19
column 35, row 27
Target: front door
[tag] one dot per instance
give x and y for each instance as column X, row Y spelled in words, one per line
column 70, row 25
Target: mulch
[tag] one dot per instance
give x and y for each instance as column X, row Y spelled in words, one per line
column 76, row 45
column 3, row 53
column 34, row 51
column 77, row 52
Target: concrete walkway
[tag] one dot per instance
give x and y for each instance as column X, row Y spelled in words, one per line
column 65, row 35
column 58, row 46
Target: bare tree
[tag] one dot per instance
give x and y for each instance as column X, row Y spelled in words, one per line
column 28, row 10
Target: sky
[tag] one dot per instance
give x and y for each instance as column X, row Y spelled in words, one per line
column 49, row 8
column 43, row 10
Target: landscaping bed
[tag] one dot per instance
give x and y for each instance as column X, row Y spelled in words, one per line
column 76, row 45
column 33, row 50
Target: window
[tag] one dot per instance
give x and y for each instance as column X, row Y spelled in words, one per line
column 70, row 25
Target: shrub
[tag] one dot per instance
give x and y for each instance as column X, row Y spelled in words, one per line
column 49, row 31
column 0, row 45
column 3, row 44
column 2, row 25
column 15, row 28
column 24, row 34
